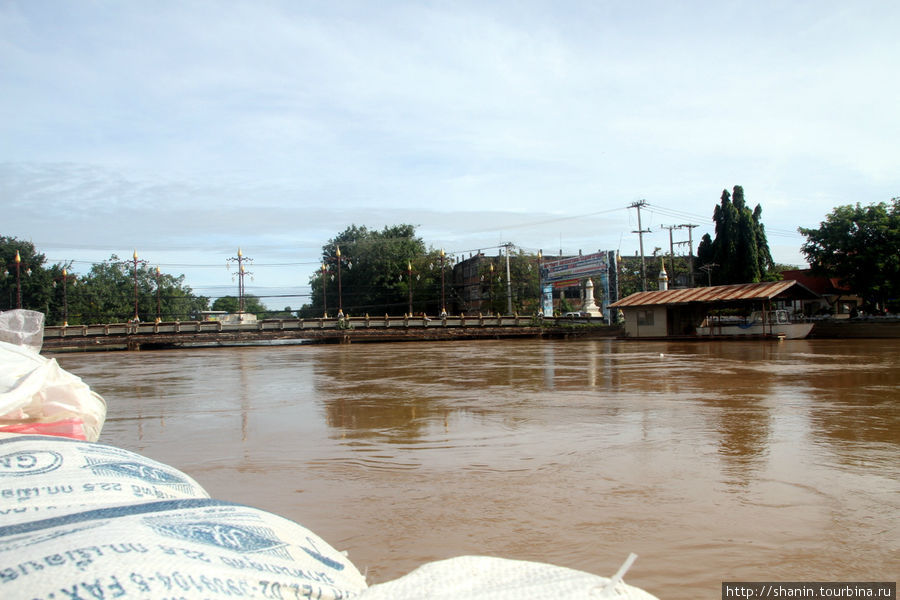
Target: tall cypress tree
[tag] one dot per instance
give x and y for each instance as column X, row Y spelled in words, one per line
column 746, row 265
column 763, row 255
column 740, row 249
column 725, row 244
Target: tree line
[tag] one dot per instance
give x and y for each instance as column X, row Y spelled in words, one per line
column 392, row 271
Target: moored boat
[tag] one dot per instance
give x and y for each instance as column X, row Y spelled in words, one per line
column 777, row 323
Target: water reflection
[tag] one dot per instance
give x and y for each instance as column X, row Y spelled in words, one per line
column 707, row 459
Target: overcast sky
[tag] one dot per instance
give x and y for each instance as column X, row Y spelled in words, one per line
column 186, row 129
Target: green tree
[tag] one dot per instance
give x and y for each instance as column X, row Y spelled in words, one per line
column 860, row 245
column 740, row 252
column 106, row 295
column 524, row 280
column 33, row 277
column 374, row 273
column 232, row 304
column 522, row 291
column 63, row 290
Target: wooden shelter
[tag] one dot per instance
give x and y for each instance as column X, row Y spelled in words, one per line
column 675, row 313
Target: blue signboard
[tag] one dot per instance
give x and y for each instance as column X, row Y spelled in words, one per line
column 576, row 267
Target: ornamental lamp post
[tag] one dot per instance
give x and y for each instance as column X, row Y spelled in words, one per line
column 339, row 259
column 443, row 304
column 340, row 293
column 492, row 288
column 18, row 280
column 134, row 262
column 65, row 280
column 540, row 257
column 409, row 275
column 158, row 302
column 18, row 263
column 324, row 298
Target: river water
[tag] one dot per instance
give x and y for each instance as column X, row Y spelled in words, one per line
column 713, row 461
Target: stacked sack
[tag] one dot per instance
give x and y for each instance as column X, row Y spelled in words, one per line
column 85, row 520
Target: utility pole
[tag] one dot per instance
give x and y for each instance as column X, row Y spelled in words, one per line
column 709, row 269
column 641, row 232
column 240, row 259
column 690, row 228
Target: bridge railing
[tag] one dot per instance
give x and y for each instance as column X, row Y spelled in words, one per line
column 367, row 322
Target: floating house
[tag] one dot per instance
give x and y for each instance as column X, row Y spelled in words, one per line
column 684, row 312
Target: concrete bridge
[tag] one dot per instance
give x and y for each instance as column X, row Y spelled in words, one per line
column 134, row 336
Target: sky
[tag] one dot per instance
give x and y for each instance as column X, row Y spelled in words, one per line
column 185, row 130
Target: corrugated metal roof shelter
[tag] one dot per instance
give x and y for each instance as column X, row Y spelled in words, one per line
column 742, row 292
column 668, row 313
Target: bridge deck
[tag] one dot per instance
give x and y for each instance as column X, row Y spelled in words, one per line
column 133, row 336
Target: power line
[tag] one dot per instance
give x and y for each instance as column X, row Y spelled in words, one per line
column 545, row 221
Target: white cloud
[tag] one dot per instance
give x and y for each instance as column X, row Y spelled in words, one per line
column 198, row 125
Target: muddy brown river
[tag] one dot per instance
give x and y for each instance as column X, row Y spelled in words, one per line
column 713, row 461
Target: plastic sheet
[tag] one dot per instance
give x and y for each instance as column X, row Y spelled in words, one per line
column 38, row 396
column 22, row 328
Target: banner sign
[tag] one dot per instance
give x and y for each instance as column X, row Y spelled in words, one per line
column 576, row 267
column 565, row 283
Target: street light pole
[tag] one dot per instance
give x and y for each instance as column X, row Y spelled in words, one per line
column 324, row 298
column 158, row 301
column 540, row 256
column 509, row 309
column 492, row 288
column 18, row 281
column 443, row 304
column 409, row 275
column 337, row 258
column 65, row 280
column 65, row 299
column 340, row 293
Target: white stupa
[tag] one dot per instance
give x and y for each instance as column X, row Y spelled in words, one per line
column 589, row 306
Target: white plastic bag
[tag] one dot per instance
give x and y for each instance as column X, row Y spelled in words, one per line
column 38, row 396
column 22, row 328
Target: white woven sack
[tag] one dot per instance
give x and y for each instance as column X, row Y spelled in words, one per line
column 191, row 549
column 489, row 578
column 43, row 476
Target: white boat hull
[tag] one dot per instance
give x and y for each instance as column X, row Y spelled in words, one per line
column 790, row 331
